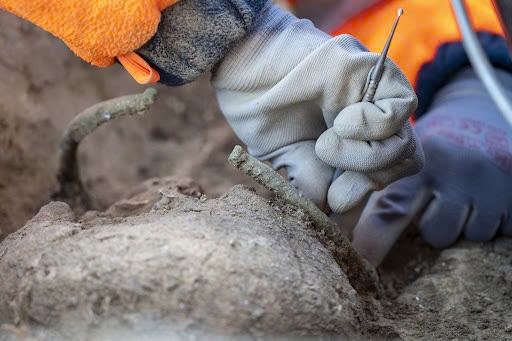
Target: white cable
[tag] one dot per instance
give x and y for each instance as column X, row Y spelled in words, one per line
column 480, row 62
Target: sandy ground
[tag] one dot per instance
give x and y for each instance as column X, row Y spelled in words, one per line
column 463, row 293
column 238, row 266
column 43, row 86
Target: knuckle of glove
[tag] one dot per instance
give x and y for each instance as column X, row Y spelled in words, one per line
column 395, row 102
column 366, row 156
column 369, row 121
column 411, row 163
column 395, row 93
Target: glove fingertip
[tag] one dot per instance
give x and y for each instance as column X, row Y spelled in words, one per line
column 370, row 246
column 326, row 145
column 348, row 191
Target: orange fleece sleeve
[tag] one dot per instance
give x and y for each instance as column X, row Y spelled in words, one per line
column 96, row 30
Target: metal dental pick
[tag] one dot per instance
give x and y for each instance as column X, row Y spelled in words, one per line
column 378, row 69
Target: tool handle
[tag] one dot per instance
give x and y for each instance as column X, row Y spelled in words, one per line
column 370, row 92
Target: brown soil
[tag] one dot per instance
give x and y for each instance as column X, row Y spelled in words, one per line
column 234, row 265
column 43, row 86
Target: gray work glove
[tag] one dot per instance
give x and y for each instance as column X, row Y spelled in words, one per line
column 305, row 170
column 466, row 186
column 193, row 36
column 287, row 82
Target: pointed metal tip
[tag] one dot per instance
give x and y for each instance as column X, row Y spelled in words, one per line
column 400, row 11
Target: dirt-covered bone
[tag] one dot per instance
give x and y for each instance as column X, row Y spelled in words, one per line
column 70, row 188
column 362, row 275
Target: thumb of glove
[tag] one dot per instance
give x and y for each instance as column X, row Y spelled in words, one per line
column 305, row 170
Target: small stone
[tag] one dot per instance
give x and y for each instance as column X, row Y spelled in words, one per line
column 486, row 301
column 55, row 210
column 257, row 314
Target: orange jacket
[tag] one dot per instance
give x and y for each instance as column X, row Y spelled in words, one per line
column 425, row 26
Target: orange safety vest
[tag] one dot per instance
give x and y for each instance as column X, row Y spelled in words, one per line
column 424, row 27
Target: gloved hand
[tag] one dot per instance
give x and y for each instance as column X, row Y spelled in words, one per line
column 465, row 188
column 287, row 82
column 199, row 43
column 370, row 162
column 278, row 108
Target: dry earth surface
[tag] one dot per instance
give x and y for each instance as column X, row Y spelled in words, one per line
column 191, row 265
column 43, row 86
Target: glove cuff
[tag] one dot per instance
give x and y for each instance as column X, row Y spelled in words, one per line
column 194, row 35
